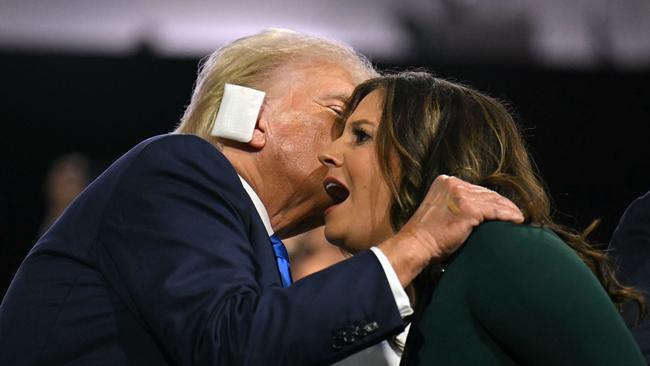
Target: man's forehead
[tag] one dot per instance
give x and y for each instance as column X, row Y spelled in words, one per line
column 333, row 81
column 319, row 81
column 340, row 95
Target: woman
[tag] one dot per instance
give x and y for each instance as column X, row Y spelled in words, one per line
column 532, row 294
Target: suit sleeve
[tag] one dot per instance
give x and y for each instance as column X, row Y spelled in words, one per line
column 177, row 251
column 543, row 305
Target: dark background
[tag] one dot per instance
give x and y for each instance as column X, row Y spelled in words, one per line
column 587, row 130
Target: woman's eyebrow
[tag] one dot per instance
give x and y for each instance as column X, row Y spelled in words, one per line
column 361, row 122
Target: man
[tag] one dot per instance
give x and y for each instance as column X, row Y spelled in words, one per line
column 166, row 257
column 630, row 248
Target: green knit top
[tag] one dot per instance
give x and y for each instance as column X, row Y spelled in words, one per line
column 518, row 295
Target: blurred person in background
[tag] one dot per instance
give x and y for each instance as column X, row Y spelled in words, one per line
column 532, row 294
column 66, row 178
column 630, row 249
column 311, row 252
column 172, row 256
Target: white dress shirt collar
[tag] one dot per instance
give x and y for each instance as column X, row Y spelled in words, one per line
column 259, row 206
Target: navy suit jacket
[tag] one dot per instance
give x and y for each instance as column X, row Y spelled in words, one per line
column 630, row 248
column 163, row 260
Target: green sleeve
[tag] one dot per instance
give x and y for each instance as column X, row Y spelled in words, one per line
column 541, row 303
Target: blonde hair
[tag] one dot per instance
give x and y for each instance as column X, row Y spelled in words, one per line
column 251, row 60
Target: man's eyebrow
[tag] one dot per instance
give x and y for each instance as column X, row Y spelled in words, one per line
column 337, row 96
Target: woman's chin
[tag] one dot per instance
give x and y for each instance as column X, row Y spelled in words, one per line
column 339, row 241
column 333, row 238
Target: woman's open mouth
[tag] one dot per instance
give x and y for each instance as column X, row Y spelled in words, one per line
column 336, row 190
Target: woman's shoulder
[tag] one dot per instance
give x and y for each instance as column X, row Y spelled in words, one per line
column 514, row 251
column 533, row 296
column 511, row 235
column 506, row 238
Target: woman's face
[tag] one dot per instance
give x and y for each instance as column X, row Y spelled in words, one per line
column 359, row 218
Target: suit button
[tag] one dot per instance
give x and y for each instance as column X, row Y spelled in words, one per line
column 371, row 327
column 337, row 345
column 349, row 339
column 339, row 334
column 358, row 331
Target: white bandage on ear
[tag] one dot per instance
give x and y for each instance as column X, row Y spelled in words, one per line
column 238, row 113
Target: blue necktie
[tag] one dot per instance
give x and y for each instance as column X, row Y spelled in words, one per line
column 282, row 257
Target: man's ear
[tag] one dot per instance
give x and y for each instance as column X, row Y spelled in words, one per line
column 259, row 133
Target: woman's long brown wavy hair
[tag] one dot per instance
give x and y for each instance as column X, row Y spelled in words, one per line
column 431, row 126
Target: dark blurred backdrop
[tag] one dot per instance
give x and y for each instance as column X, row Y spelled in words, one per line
column 583, row 103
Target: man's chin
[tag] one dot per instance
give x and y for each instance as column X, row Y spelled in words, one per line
column 302, row 226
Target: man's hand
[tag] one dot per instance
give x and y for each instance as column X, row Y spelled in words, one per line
column 444, row 220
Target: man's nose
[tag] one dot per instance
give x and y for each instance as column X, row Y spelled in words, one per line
column 330, row 159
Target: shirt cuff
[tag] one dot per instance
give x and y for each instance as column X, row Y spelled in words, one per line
column 401, row 299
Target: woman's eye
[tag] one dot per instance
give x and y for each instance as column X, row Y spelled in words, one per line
column 360, row 136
